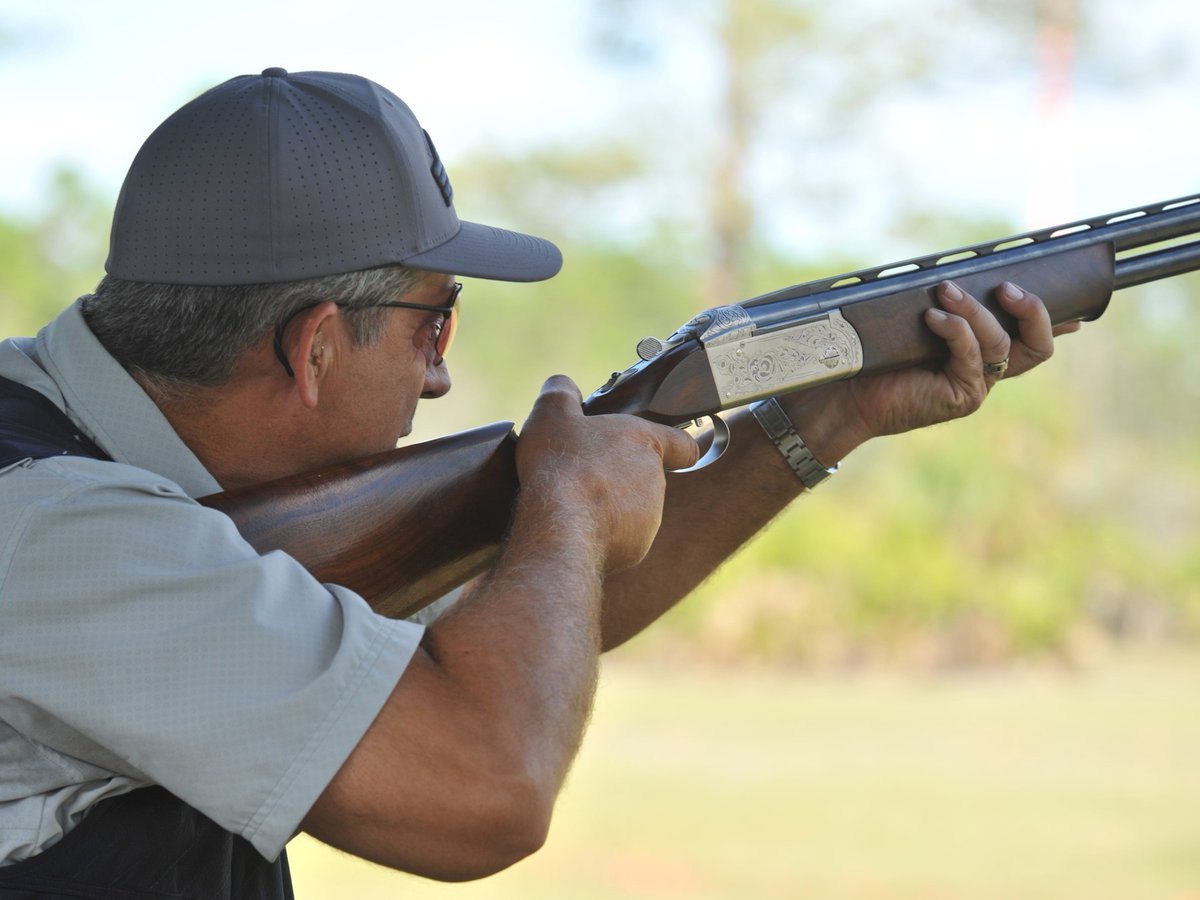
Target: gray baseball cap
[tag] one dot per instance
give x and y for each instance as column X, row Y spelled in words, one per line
column 283, row 176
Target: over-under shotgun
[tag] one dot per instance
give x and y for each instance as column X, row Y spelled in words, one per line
column 404, row 527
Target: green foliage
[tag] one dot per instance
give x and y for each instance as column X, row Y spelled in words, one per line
column 1067, row 511
column 49, row 260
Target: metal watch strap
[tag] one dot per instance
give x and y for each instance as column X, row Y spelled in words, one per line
column 779, row 429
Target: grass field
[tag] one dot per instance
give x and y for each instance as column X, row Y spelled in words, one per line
column 731, row 784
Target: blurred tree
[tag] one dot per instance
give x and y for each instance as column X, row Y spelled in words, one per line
column 804, row 82
column 798, row 95
column 50, row 258
column 673, row 204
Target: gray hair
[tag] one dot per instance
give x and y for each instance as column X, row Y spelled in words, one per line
column 176, row 337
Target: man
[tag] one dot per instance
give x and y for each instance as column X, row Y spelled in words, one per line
column 280, row 294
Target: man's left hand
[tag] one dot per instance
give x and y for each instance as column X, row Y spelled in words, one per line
column 981, row 353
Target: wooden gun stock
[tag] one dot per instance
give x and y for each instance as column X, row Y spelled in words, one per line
column 401, row 528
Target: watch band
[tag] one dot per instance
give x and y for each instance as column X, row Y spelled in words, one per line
column 779, row 429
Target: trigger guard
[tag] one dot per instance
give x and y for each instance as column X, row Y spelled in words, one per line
column 716, row 449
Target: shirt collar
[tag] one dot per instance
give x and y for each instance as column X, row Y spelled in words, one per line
column 112, row 408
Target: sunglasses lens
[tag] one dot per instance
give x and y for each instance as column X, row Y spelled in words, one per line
column 446, row 335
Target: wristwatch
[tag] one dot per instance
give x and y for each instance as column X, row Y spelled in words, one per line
column 779, row 429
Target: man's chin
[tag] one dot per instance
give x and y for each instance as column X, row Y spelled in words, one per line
column 408, row 427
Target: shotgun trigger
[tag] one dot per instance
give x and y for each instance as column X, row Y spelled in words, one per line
column 717, row 446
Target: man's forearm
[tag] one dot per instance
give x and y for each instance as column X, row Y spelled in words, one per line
column 709, row 514
column 527, row 634
column 457, row 776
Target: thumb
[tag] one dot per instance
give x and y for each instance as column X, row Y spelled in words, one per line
column 561, row 391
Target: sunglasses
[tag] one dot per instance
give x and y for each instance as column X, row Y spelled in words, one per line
column 446, row 328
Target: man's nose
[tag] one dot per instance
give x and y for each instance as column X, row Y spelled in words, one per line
column 437, row 381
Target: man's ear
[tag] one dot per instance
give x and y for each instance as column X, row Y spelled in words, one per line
column 309, row 346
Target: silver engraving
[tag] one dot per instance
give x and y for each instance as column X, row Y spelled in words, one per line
column 719, row 325
column 762, row 365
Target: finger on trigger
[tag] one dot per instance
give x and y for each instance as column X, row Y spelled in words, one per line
column 678, row 449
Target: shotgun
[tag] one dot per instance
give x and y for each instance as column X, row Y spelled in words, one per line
column 368, row 524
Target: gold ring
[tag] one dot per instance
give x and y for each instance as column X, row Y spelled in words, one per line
column 997, row 368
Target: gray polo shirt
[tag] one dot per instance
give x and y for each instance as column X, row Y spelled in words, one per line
column 142, row 641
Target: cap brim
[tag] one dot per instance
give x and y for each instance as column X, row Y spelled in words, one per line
column 482, row 251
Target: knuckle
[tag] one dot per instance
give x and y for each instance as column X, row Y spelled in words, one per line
column 560, row 384
column 560, row 397
column 972, row 403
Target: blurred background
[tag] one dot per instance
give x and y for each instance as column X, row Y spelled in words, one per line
column 967, row 665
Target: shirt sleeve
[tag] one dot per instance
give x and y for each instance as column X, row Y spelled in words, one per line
column 141, row 633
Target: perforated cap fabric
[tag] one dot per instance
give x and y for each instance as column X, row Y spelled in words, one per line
column 278, row 177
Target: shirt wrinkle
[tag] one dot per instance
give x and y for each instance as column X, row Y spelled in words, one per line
column 137, row 625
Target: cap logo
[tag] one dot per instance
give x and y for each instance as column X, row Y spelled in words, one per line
column 439, row 171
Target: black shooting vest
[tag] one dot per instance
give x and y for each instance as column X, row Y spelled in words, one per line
column 147, row 844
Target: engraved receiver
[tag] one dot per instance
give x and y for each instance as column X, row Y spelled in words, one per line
column 872, row 320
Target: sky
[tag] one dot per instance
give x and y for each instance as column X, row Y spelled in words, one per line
column 83, row 83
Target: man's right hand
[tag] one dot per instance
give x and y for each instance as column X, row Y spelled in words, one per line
column 457, row 776
column 607, row 472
